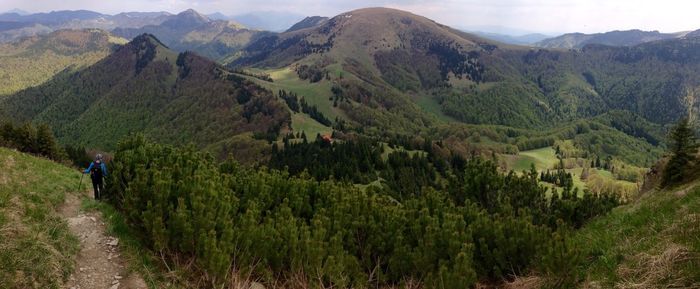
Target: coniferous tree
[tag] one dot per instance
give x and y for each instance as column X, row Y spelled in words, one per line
column 26, row 138
column 683, row 149
column 46, row 143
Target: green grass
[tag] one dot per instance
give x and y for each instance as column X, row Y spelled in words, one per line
column 302, row 122
column 543, row 159
column 431, row 106
column 36, row 247
column 605, row 173
column 388, row 150
column 653, row 241
column 578, row 183
column 317, row 94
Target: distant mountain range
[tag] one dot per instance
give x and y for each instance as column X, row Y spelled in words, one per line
column 274, row 21
column 18, row 11
column 224, row 35
column 216, row 36
column 14, row 25
column 612, row 38
column 192, row 31
column 526, row 39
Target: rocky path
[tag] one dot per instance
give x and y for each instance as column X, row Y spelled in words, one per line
column 99, row 264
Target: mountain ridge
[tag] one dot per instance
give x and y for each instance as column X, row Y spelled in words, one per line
column 190, row 30
column 145, row 87
column 613, row 38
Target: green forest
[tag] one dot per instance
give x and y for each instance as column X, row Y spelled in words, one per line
column 375, row 149
column 483, row 226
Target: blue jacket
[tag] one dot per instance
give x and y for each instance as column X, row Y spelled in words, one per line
column 102, row 165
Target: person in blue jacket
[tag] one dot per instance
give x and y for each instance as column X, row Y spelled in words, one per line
column 97, row 171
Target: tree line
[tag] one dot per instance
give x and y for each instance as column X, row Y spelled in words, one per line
column 37, row 140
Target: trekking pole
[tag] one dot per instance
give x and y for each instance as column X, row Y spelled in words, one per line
column 81, row 181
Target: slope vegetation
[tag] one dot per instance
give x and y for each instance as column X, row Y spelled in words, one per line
column 36, row 247
column 145, row 87
column 651, row 243
column 34, row 60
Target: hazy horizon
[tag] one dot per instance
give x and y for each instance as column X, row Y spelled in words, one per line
column 508, row 16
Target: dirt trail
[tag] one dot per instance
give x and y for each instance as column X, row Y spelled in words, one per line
column 99, row 264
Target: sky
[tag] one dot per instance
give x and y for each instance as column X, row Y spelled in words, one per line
column 518, row 16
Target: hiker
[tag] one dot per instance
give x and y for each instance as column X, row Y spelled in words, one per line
column 97, row 171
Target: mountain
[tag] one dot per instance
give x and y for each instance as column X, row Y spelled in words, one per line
column 308, row 22
column 145, row 87
column 19, row 30
column 124, row 20
column 692, row 34
column 36, row 59
column 612, row 38
column 388, row 59
column 14, row 26
column 190, row 30
column 17, row 11
column 381, row 70
column 268, row 20
column 53, row 17
column 526, row 39
column 218, row 16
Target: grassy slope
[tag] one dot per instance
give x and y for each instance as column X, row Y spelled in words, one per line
column 546, row 159
column 543, row 159
column 654, row 242
column 316, row 94
column 36, row 248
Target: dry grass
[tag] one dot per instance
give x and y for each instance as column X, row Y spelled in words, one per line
column 658, row 271
column 528, row 282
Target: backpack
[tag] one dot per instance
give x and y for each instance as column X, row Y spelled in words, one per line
column 96, row 171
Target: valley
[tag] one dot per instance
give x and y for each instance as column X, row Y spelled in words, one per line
column 376, row 148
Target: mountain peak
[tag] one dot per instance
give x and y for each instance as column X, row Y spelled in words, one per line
column 192, row 13
column 188, row 18
column 146, row 38
column 307, row 22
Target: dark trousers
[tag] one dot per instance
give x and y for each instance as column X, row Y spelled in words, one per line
column 98, row 186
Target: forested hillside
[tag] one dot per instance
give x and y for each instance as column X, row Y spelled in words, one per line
column 37, row 59
column 145, row 87
column 416, row 69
